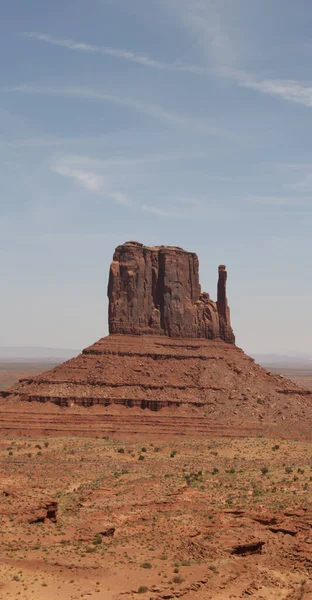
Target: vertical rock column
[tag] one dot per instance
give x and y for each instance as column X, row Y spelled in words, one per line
column 226, row 332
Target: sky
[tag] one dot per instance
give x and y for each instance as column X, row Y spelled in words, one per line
column 178, row 122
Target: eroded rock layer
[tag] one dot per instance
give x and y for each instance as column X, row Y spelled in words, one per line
column 216, row 386
column 157, row 291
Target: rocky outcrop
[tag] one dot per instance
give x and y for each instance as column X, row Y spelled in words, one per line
column 156, row 290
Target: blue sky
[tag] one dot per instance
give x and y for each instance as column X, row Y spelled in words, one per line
column 180, row 122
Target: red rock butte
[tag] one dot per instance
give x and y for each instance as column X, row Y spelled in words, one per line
column 157, row 291
column 171, row 349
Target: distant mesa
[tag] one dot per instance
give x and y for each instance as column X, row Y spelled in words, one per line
column 156, row 290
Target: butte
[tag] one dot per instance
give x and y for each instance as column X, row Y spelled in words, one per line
column 169, row 366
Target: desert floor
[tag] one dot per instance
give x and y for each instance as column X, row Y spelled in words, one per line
column 99, row 518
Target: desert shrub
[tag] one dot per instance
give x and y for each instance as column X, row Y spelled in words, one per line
column 276, row 447
column 121, row 450
column 177, row 579
column 173, row 453
column 146, row 565
column 264, row 470
column 215, row 470
column 192, row 477
column 141, row 457
column 288, row 470
column 97, row 539
column 143, row 449
column 213, row 568
column 142, row 589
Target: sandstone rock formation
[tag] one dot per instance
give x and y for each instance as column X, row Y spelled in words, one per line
column 182, row 363
column 157, row 291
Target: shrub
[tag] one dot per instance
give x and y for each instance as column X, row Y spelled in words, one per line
column 215, row 470
column 264, row 470
column 121, row 450
column 288, row 470
column 177, row 579
column 146, row 565
column 141, row 457
column 173, row 453
column 143, row 449
column 142, row 589
column 213, row 568
column 97, row 539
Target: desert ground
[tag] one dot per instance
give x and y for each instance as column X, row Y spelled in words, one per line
column 97, row 518
column 300, row 376
column 11, row 372
column 155, row 518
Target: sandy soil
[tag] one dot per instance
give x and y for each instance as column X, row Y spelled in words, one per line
column 212, row 519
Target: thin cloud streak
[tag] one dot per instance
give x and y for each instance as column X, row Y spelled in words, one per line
column 160, row 212
column 299, row 201
column 140, row 59
column 217, row 38
column 288, row 89
column 209, row 20
column 96, row 184
column 153, row 110
column 92, row 182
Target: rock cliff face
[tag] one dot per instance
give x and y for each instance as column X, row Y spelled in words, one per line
column 156, row 290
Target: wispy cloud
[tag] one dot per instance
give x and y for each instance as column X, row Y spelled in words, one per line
column 136, row 160
column 160, row 212
column 127, row 55
column 210, row 22
column 95, row 183
column 153, row 110
column 281, row 200
column 50, row 142
column 284, row 88
column 92, row 182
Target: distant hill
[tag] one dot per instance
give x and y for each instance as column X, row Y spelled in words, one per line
column 35, row 353
column 282, row 360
